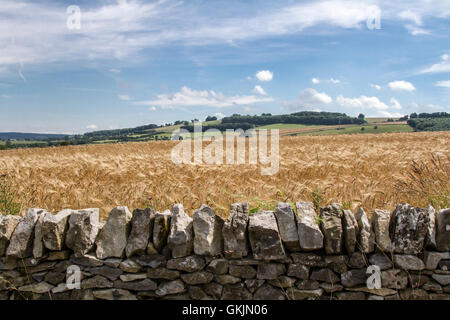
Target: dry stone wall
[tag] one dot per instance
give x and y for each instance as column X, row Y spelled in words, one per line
column 292, row 252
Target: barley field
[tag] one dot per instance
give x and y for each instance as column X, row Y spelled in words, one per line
column 373, row 171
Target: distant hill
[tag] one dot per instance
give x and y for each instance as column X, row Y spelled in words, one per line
column 29, row 136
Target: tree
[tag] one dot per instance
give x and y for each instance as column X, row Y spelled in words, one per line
column 413, row 115
column 361, row 116
column 211, row 118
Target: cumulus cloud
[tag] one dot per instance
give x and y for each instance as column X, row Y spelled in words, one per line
column 443, row 66
column 315, row 80
column 335, row 81
column 124, row 97
column 376, row 86
column 91, row 126
column 219, row 115
column 259, row 90
column 264, row 75
column 401, row 86
column 364, row 103
column 331, row 80
column 187, row 97
column 308, row 99
column 444, row 84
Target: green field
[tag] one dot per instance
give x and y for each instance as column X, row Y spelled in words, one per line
column 386, row 128
column 286, row 126
column 378, row 120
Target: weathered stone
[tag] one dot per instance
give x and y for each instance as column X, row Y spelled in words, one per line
column 62, row 287
column 350, row 296
column 298, row 270
column 267, row 292
column 331, row 226
column 245, row 262
column 187, row 264
column 444, row 265
column 430, row 241
column 236, row 292
column 380, row 222
column 96, row 282
column 171, row 287
column 112, row 238
column 439, row 296
column 337, row 263
column 181, row 237
column 161, row 229
column 394, row 279
column 432, row 286
column 246, row 272
column 41, row 287
column 443, row 279
column 151, row 248
column 12, row 279
column 287, row 226
column 108, row 272
column 414, row 294
column 366, row 238
column 443, row 230
column 82, row 294
column 408, row 262
column 133, row 277
column 38, row 245
column 308, row 259
column 308, row 285
column 83, row 230
column 58, row 255
column 357, row 261
column 152, row 261
column 283, row 282
column 213, row 289
column 226, row 279
column 235, row 242
column 310, row 236
column 381, row 260
column 144, row 285
column 270, row 271
column 163, row 273
column 199, row 277
column 86, row 260
column 325, row 275
column 351, row 230
column 7, row 225
column 218, row 266
column 297, row 294
column 141, row 231
column 197, row 293
column 374, row 297
column 417, row 280
column 130, row 265
column 113, row 294
column 264, row 237
column 54, row 277
column 21, row 242
column 54, row 228
column 208, row 237
column 253, row 284
column 331, row 287
column 354, row 277
column 408, row 228
column 380, row 292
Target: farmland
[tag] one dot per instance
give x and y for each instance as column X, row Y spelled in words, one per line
column 372, row 170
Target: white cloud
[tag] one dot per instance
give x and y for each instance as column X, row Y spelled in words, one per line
column 417, row 31
column 364, row 104
column 219, row 115
column 315, row 80
column 376, row 86
column 444, row 84
column 259, row 90
column 308, row 99
column 124, row 97
column 114, row 70
column 411, row 16
column 91, row 127
column 335, row 81
column 189, row 97
column 401, row 86
column 443, row 66
column 264, row 75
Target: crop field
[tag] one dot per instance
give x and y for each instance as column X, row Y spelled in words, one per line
column 372, row 170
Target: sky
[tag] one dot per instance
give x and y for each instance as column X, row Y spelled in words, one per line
column 78, row 66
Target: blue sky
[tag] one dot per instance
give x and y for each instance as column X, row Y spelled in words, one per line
column 137, row 62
